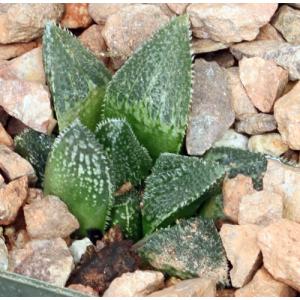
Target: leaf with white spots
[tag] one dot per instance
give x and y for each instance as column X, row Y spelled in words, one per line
column 34, row 147
column 77, row 171
column 176, row 188
column 191, row 248
column 77, row 79
column 153, row 89
column 131, row 161
column 126, row 213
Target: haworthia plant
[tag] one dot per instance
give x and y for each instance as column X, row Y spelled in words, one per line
column 34, row 147
column 77, row 79
column 131, row 161
column 177, row 186
column 153, row 89
column 192, row 248
column 77, row 171
column 126, row 213
column 213, row 208
column 237, row 161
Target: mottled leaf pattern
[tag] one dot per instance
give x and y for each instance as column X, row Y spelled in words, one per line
column 153, row 89
column 77, row 171
column 126, row 213
column 237, row 161
column 34, row 147
column 131, row 161
column 191, row 248
column 177, row 186
column 77, row 79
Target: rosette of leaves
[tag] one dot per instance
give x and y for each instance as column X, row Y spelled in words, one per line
column 152, row 90
column 76, row 78
column 77, row 171
column 130, row 160
column 176, row 188
column 191, row 248
column 34, row 147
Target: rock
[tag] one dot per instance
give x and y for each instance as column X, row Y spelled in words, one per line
column 25, row 22
column 178, row 8
column 127, row 29
column 136, row 284
column 14, row 166
column 3, row 255
column 76, row 15
column 3, row 116
column 291, row 156
column 233, row 191
column 263, row 80
column 13, row 50
column 78, row 248
column 229, row 22
column 224, row 59
column 211, row 113
column 232, row 139
column 172, row 281
column 53, row 222
column 264, row 285
column 28, row 102
column 206, row 45
column 198, row 287
column 283, row 54
column 280, row 246
column 2, row 181
column 260, row 208
column 34, row 195
column 240, row 101
column 287, row 22
column 256, row 123
column 83, row 289
column 101, row 11
column 268, row 32
column 5, row 138
column 92, row 39
column 270, row 143
column 288, row 120
column 242, row 251
column 12, row 197
column 284, row 180
column 225, row 292
column 46, row 260
column 27, row 67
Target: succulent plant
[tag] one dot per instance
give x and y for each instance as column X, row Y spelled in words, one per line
column 153, row 89
column 34, row 147
column 77, row 171
column 191, row 248
column 177, row 186
column 77, row 79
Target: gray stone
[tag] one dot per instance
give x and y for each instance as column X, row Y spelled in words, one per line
column 211, row 113
column 256, row 124
column 3, row 255
column 78, row 248
column 232, row 139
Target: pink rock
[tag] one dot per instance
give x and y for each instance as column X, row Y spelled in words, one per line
column 12, row 197
column 46, row 260
column 55, row 221
column 229, row 22
column 5, row 138
column 84, row 289
column 76, row 15
column 268, row 32
column 264, row 285
column 178, row 8
column 28, row 102
column 242, row 251
column 13, row 50
column 233, row 191
column 280, row 246
column 260, row 208
column 263, row 80
column 286, row 114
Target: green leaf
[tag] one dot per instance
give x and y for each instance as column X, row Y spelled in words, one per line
column 237, row 161
column 176, row 188
column 126, row 213
column 192, row 248
column 213, row 208
column 77, row 171
column 153, row 89
column 131, row 161
column 34, row 147
column 77, row 79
